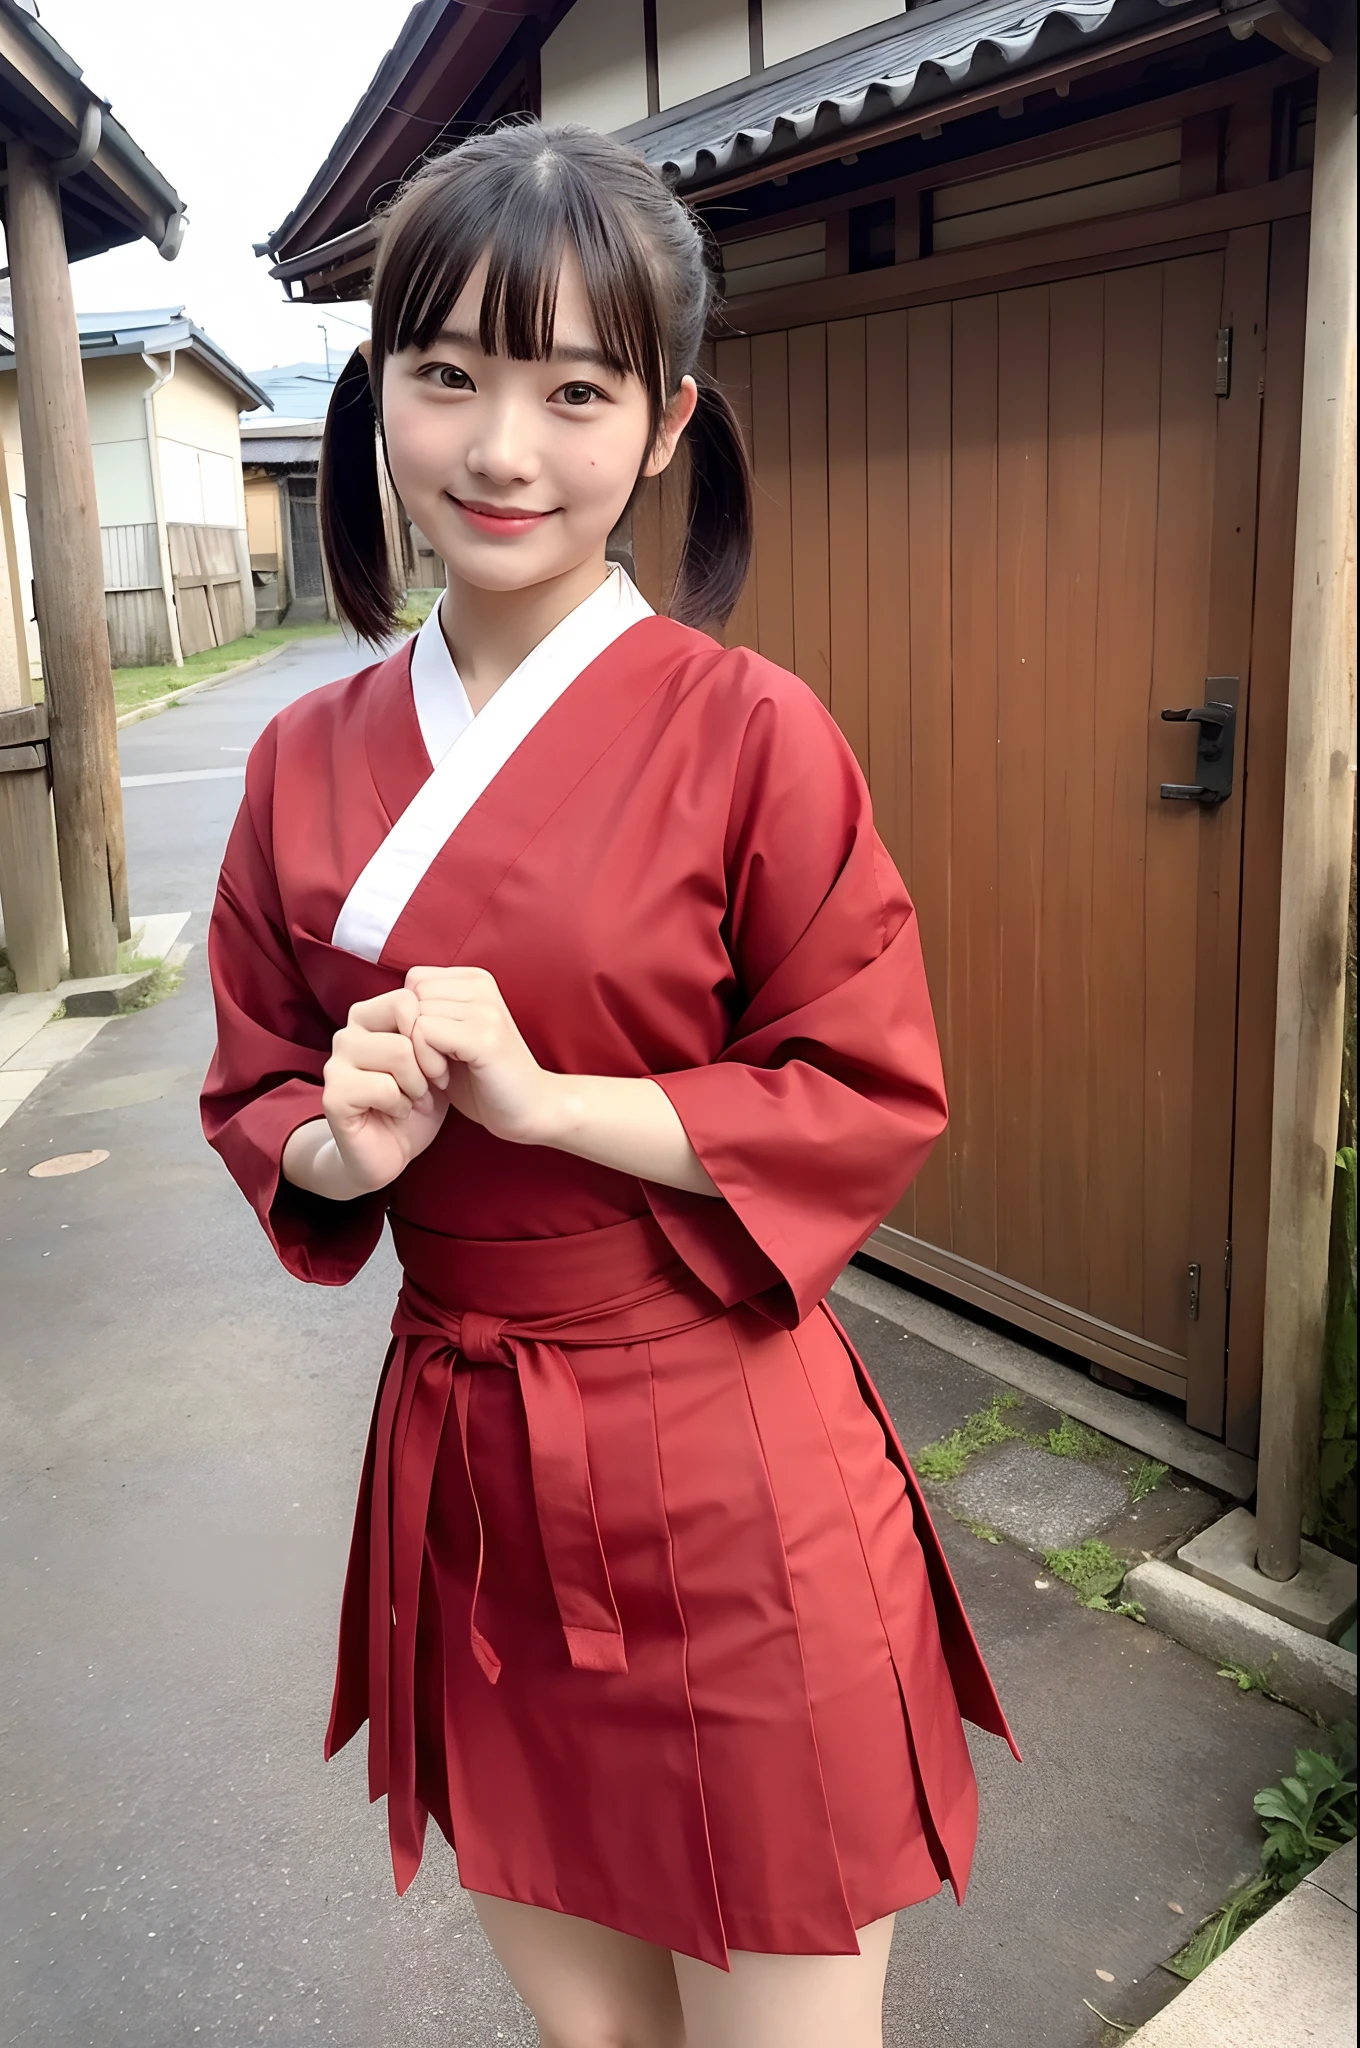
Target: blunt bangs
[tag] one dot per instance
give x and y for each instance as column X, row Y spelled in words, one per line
column 524, row 215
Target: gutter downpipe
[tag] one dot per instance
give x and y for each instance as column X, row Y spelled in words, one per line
column 160, row 378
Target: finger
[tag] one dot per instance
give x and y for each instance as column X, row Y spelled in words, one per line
column 459, row 1038
column 455, row 981
column 381, row 1052
column 394, row 1011
column 357, row 1093
column 434, row 1064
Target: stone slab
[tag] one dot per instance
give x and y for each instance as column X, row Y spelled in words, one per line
column 1036, row 1499
column 154, row 936
column 1337, row 1876
column 1288, row 1982
column 17, row 1082
column 21, row 1017
column 1319, row 1598
column 1063, row 1385
column 1303, row 1669
column 61, row 1040
column 104, row 995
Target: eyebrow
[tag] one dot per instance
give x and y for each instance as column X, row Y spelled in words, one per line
column 458, row 337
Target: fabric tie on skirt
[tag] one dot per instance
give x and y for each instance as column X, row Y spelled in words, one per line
column 436, row 1353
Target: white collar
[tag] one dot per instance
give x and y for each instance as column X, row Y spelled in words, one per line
column 468, row 753
column 441, row 700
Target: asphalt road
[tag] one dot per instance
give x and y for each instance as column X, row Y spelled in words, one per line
column 181, row 1427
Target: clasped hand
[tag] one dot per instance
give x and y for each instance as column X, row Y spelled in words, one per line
column 445, row 1039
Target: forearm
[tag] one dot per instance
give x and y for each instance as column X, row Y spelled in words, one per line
column 629, row 1125
column 312, row 1161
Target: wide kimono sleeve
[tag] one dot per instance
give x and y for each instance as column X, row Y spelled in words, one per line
column 826, row 1100
column 273, row 1041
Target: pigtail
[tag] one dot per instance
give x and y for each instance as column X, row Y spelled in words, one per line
column 716, row 553
column 353, row 530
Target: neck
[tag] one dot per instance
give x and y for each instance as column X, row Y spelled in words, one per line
column 489, row 632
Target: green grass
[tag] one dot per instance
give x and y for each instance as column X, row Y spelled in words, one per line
column 136, row 686
column 1074, row 1440
column 1092, row 1569
column 947, row 1458
column 1147, row 1479
column 165, row 979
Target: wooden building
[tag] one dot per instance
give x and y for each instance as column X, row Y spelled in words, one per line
column 162, row 401
column 1015, row 321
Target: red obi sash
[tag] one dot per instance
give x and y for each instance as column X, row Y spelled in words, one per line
column 521, row 1306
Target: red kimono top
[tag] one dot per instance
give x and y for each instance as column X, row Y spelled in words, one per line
column 644, row 1603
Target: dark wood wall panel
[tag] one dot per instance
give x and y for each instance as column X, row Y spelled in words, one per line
column 1121, row 798
column 732, row 365
column 1022, row 746
column 774, row 533
column 888, row 597
column 974, row 949
column 848, row 537
column 1076, row 390
column 1187, row 425
column 929, row 525
column 808, row 506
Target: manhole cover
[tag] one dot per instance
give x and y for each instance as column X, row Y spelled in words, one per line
column 66, row 1162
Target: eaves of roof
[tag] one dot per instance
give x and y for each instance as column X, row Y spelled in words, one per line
column 117, row 195
column 157, row 332
column 941, row 52
column 444, row 51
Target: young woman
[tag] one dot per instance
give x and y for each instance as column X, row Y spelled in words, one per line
column 562, row 940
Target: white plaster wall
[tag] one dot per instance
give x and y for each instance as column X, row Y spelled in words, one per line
column 594, row 65
column 792, row 27
column 700, row 45
column 199, row 433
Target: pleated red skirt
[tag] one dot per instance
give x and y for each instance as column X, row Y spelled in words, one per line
column 644, row 1606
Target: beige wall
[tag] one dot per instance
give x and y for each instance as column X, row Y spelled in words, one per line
column 18, row 517
column 793, row 27
column 700, row 44
column 198, row 428
column 264, row 523
column 594, row 65
column 115, row 389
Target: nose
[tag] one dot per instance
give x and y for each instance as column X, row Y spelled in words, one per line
column 503, row 449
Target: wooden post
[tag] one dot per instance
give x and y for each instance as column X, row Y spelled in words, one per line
column 30, row 892
column 1318, row 810
column 68, row 573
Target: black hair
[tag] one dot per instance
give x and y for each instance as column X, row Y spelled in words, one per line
column 522, row 196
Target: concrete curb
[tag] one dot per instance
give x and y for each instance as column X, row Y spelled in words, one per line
column 1305, row 1670
column 1288, row 1982
column 226, row 675
column 1137, row 1423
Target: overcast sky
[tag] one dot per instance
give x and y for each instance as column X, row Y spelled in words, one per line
column 237, row 105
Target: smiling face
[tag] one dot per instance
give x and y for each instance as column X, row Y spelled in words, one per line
column 517, row 472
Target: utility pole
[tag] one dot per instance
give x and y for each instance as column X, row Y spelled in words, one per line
column 68, row 572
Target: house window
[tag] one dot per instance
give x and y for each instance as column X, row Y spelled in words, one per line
column 1118, row 177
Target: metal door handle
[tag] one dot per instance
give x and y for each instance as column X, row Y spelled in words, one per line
column 1217, row 722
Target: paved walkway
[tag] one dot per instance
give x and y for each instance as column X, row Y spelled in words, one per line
column 180, row 1433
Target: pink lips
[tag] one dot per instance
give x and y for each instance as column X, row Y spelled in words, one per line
column 503, row 523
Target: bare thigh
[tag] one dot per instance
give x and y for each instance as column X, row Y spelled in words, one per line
column 586, row 1986
column 788, row 2001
